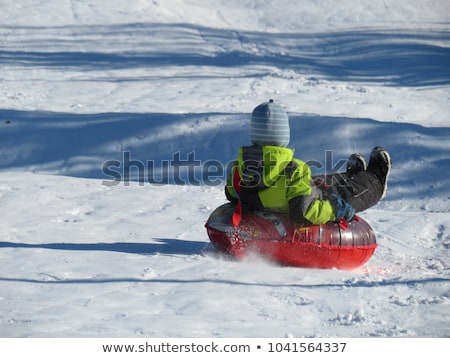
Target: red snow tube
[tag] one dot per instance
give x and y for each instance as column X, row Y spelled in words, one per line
column 275, row 237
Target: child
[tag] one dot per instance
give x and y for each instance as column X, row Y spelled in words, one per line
column 267, row 176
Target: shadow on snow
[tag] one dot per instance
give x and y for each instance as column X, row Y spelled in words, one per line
column 395, row 57
column 160, row 145
column 159, row 246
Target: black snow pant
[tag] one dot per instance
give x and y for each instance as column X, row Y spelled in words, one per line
column 361, row 190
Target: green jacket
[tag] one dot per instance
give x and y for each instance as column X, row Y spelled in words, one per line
column 271, row 178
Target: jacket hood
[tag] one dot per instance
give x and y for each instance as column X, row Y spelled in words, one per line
column 261, row 166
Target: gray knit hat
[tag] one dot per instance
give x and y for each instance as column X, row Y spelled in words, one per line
column 269, row 125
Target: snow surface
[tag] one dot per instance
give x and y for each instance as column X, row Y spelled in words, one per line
column 84, row 82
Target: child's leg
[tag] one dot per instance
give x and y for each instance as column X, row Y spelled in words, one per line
column 361, row 190
column 359, row 187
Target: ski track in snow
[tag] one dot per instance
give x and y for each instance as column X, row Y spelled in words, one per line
column 83, row 82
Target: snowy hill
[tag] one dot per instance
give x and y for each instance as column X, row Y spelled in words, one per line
column 88, row 85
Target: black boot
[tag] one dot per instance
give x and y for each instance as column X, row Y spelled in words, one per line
column 380, row 165
column 356, row 163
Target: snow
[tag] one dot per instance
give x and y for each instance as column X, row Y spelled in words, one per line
column 88, row 84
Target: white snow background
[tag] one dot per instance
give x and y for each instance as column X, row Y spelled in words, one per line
column 83, row 82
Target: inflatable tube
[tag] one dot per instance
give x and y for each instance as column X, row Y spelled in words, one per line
column 275, row 237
